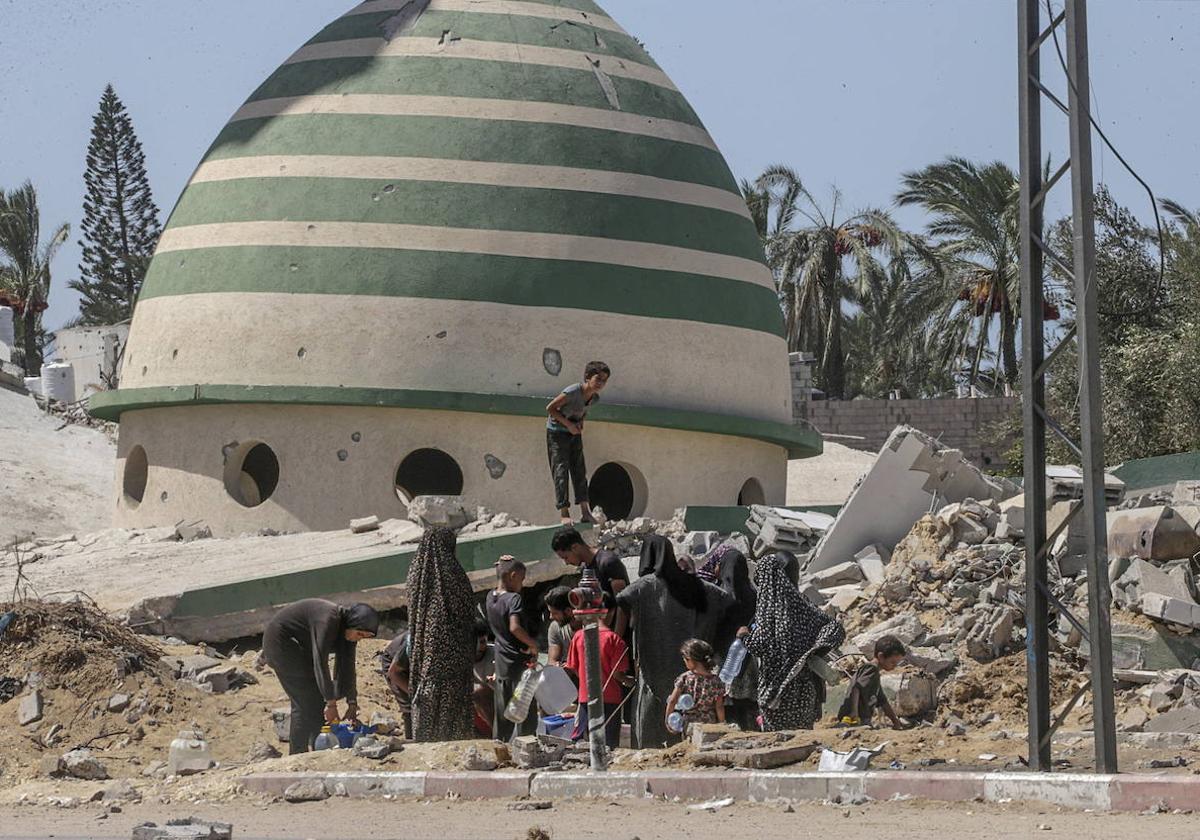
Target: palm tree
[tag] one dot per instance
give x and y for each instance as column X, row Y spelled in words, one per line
column 819, row 261
column 25, row 264
column 974, row 227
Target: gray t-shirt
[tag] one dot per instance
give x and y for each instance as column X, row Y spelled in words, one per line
column 561, row 635
column 574, row 409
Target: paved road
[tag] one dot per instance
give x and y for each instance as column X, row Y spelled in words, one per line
column 599, row 820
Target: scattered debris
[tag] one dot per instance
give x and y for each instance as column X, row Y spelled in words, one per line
column 362, row 526
column 306, row 790
column 191, row 828
column 712, row 804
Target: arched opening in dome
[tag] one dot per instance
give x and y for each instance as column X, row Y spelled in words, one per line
column 619, row 490
column 251, row 473
column 428, row 472
column 133, row 481
column 751, row 493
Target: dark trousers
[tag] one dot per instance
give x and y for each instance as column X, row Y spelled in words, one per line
column 612, row 725
column 502, row 727
column 567, row 467
column 744, row 713
column 308, row 707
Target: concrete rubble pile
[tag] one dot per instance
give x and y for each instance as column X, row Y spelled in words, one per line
column 456, row 513
column 952, row 588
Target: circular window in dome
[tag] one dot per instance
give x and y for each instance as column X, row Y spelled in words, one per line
column 428, row 472
column 751, row 493
column 251, row 473
column 619, row 490
column 133, row 481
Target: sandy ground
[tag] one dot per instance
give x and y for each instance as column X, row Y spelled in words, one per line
column 600, row 820
column 828, row 478
column 52, row 481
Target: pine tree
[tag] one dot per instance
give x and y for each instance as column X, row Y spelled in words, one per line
column 120, row 220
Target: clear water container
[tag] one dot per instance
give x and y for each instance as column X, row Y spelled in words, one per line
column 735, row 660
column 522, row 699
column 685, row 703
column 326, row 740
column 555, row 691
column 675, row 722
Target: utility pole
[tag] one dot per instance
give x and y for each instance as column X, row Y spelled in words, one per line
column 1080, row 267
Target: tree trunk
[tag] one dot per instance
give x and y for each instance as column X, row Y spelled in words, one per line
column 1008, row 346
column 33, row 357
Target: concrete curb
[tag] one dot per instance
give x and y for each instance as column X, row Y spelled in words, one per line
column 1069, row 790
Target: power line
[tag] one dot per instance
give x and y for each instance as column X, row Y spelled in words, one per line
column 1162, row 252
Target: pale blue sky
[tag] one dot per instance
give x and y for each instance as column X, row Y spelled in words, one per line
column 849, row 92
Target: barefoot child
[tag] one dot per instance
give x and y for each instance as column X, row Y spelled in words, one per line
column 564, row 440
column 866, row 692
column 700, row 681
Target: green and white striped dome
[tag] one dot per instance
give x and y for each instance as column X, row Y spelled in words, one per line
column 422, row 207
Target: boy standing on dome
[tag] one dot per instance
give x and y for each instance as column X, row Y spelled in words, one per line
column 564, row 440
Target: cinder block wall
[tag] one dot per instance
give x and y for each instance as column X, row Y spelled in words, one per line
column 964, row 424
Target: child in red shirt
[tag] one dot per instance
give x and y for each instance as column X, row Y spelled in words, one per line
column 614, row 672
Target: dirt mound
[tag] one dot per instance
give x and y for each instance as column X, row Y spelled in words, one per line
column 72, row 645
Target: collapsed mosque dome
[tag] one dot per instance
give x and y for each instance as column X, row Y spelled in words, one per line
column 413, row 235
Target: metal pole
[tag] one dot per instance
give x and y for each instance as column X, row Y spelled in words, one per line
column 595, row 706
column 1037, row 608
column 1094, row 520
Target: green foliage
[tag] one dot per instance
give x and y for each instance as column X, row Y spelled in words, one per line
column 120, row 219
column 25, row 267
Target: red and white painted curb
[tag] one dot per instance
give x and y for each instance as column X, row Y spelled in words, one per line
column 1136, row 793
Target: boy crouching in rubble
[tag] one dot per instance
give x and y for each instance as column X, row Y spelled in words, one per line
column 866, row 690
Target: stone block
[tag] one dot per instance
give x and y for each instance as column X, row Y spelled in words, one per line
column 190, row 666
column 29, row 710
column 1171, row 610
column 446, row 511
column 362, row 526
column 80, row 764
column 188, row 829
column 872, row 561
column 931, row 659
column 219, row 680
column 370, row 747
column 907, row 628
column 307, row 790
column 840, row 575
column 281, row 719
column 118, row 703
column 842, row 598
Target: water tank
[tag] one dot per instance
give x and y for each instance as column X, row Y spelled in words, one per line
column 33, row 384
column 7, row 333
column 58, row 382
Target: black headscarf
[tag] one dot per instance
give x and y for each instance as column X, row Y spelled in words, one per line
column 360, row 617
column 727, row 567
column 658, row 559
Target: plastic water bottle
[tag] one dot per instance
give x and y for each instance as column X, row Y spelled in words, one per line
column 735, row 660
column 685, row 703
column 675, row 722
column 518, row 708
column 326, row 740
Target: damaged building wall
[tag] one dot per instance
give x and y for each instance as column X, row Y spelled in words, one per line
column 913, row 475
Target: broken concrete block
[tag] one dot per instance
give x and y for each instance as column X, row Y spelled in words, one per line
column 907, row 628
column 189, row 829
column 30, row 708
column 51, row 765
column 1066, row 483
column 121, row 791
column 118, row 703
column 306, row 790
column 1172, row 610
column 1134, row 720
column 911, row 694
column 1182, row 719
column 80, row 764
column 842, row 598
column 970, row 531
column 281, row 719
column 811, row 594
column 198, row 663
column 931, row 659
column 189, row 531
column 1153, row 533
column 699, row 543
column 840, row 575
column 371, row 747
column 220, row 679
column 260, row 751
column 991, row 634
column 912, row 474
column 362, row 526
column 476, row 761
column 1141, row 577
column 872, row 561
column 446, row 511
